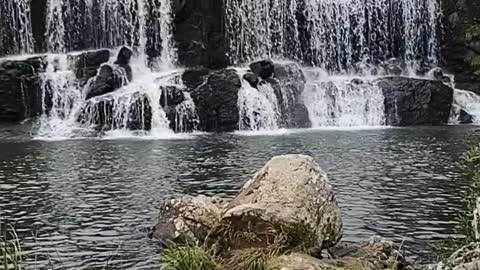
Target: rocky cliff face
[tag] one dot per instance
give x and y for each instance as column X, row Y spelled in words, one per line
column 461, row 42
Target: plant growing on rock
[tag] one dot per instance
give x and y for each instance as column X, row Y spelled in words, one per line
column 190, row 256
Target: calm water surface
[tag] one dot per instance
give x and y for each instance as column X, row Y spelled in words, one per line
column 84, row 204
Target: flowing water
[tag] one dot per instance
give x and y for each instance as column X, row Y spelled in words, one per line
column 82, row 203
column 15, row 27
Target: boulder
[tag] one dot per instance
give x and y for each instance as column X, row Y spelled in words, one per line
column 191, row 217
column 87, row 64
column 216, row 101
column 20, row 89
column 411, row 101
column 252, row 79
column 289, row 192
column 465, row 117
column 264, row 68
column 123, row 60
column 171, row 96
column 193, row 78
column 108, row 79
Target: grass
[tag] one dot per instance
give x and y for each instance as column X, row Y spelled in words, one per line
column 10, row 249
column 189, row 256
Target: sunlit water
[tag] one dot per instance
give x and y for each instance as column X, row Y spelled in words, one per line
column 84, row 204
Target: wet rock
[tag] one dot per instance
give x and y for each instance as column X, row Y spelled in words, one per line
column 252, row 79
column 20, row 89
column 87, row 64
column 264, row 68
column 123, row 60
column 216, row 101
column 199, row 34
column 465, row 117
column 411, row 101
column 193, row 78
column 392, row 66
column 108, row 79
column 191, row 217
column 171, row 96
column 288, row 192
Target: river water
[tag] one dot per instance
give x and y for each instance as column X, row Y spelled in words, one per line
column 88, row 203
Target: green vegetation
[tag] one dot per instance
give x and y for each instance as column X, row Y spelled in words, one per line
column 470, row 172
column 10, row 249
column 189, row 256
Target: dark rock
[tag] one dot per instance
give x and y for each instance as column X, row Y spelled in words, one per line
column 20, row 89
column 123, row 60
column 199, row 34
column 171, row 96
column 264, row 68
column 252, row 79
column 216, row 101
column 87, row 64
column 192, row 78
column 392, row 66
column 411, row 102
column 108, row 79
column 465, row 117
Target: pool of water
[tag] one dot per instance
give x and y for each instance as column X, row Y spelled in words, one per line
column 88, row 203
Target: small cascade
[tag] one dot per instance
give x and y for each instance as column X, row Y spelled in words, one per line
column 335, row 35
column 15, row 27
column 343, row 101
column 143, row 25
column 468, row 102
column 258, row 108
column 186, row 117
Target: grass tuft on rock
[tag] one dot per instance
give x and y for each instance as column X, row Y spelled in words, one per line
column 254, row 258
column 189, row 256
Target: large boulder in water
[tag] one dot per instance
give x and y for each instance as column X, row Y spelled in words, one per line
column 216, row 100
column 290, row 191
column 108, row 79
column 411, row 101
column 263, row 68
column 20, row 88
column 123, row 60
column 87, row 64
column 466, row 258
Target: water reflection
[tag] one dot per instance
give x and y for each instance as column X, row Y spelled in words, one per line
column 86, row 203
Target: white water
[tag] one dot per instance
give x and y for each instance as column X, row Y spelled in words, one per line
column 467, row 101
column 338, row 35
column 258, row 108
column 337, row 101
column 15, row 27
column 139, row 24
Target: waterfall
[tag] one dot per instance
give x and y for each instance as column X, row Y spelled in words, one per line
column 258, row 108
column 343, row 101
column 335, row 35
column 468, row 102
column 15, row 27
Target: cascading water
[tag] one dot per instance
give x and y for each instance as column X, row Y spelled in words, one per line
column 258, row 108
column 467, row 101
column 343, row 101
column 15, row 27
column 335, row 35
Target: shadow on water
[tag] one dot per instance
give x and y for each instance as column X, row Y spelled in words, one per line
column 83, row 203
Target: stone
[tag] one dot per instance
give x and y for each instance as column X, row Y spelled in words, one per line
column 216, row 101
column 87, row 64
column 20, row 89
column 465, row 117
column 264, row 68
column 410, row 102
column 123, row 60
column 290, row 191
column 171, row 96
column 108, row 79
column 298, row 261
column 252, row 79
column 193, row 78
column 466, row 258
column 190, row 217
